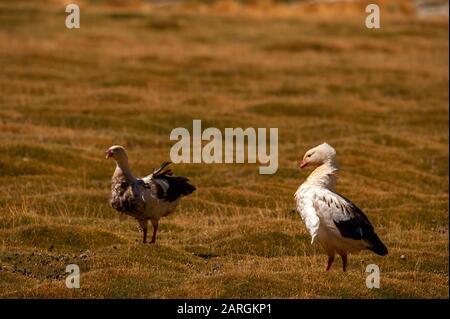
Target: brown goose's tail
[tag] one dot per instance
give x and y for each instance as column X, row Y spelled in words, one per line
column 178, row 186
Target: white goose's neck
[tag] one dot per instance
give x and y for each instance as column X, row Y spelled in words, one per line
column 122, row 168
column 324, row 176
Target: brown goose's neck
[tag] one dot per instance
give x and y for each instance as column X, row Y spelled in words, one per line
column 123, row 169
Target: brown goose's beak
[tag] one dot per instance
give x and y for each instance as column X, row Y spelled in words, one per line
column 303, row 163
column 108, row 154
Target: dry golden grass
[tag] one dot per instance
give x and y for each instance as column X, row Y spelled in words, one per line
column 132, row 74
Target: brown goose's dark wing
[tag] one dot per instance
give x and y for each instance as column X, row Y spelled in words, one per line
column 172, row 186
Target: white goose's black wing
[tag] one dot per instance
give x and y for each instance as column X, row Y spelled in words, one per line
column 351, row 222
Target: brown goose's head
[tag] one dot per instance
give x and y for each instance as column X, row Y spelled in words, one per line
column 117, row 152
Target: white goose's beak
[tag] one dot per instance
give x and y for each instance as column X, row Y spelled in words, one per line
column 303, row 163
column 108, row 154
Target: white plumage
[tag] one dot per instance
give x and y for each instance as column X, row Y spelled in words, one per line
column 331, row 219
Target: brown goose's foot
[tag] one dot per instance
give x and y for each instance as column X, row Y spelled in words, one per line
column 330, row 262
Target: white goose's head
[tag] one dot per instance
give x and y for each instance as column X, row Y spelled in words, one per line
column 319, row 155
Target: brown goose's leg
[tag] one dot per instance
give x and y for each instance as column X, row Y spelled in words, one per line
column 330, row 262
column 155, row 229
column 145, row 236
column 143, row 224
column 344, row 261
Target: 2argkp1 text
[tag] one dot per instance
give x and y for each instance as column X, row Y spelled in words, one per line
column 233, row 308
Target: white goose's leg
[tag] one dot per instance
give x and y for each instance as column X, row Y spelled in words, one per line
column 330, row 250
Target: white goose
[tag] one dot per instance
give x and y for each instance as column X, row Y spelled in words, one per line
column 147, row 198
column 337, row 224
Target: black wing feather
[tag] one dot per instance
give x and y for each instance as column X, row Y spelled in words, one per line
column 358, row 227
column 178, row 186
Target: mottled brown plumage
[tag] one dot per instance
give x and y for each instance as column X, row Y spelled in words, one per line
column 148, row 198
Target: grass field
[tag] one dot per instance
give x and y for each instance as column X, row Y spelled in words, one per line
column 131, row 74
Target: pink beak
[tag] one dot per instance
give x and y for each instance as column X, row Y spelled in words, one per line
column 303, row 164
column 108, row 154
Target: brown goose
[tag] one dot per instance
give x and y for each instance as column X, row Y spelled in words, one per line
column 147, row 198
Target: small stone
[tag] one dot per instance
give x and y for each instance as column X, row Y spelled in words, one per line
column 402, row 257
column 85, row 254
